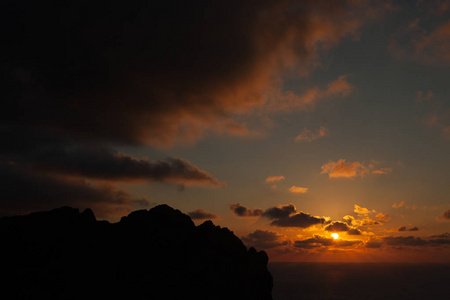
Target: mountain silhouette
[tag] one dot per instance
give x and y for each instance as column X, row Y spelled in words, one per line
column 150, row 254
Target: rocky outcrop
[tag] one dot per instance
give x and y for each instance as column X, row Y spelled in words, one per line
column 150, row 254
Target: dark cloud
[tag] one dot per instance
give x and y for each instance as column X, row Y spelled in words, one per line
column 320, row 241
column 445, row 235
column 243, row 211
column 107, row 164
column 337, row 227
column 445, row 215
column 403, row 228
column 300, row 220
column 201, row 214
column 354, row 231
column 404, row 241
column 168, row 70
column 25, row 191
column 279, row 212
column 264, row 239
column 100, row 74
column 441, row 239
column 285, row 216
column 373, row 244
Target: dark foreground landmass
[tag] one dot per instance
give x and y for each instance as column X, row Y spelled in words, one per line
column 154, row 254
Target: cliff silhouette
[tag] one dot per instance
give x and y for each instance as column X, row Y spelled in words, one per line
column 150, row 254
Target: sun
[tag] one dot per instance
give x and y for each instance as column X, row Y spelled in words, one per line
column 335, row 236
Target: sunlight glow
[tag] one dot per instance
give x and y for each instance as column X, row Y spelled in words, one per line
column 335, row 236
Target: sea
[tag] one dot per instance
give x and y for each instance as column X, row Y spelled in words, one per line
column 366, row 281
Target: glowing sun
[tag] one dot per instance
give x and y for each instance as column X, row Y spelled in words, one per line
column 335, row 236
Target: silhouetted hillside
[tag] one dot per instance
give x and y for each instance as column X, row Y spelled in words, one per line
column 154, row 254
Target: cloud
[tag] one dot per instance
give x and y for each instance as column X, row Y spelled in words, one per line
column 264, row 239
column 299, row 220
column 233, row 58
column 309, row 136
column 445, row 215
column 401, row 204
column 242, row 211
column 280, row 212
column 426, row 45
column 382, row 217
column 26, row 191
column 368, row 222
column 337, row 227
column 105, row 164
column 287, row 101
column 445, row 235
column 298, row 190
column 343, row 169
column 382, row 171
column 350, row 220
column 274, row 178
column 361, row 210
column 158, row 75
column 354, row 231
column 403, row 228
column 342, row 227
column 201, row 214
column 404, row 241
column 373, row 244
column 320, row 241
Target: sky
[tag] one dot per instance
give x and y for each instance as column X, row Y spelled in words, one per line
column 284, row 121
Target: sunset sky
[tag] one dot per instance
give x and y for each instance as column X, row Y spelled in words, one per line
column 285, row 121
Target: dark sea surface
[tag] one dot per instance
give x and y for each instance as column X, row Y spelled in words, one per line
column 360, row 281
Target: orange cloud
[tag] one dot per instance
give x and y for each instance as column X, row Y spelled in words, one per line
column 361, row 210
column 343, row 169
column 287, row 101
column 401, row 204
column 382, row 217
column 297, row 189
column 274, row 178
column 309, row 136
column 382, row 171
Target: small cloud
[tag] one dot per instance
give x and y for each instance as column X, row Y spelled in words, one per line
column 274, row 178
column 309, row 136
column 445, row 215
column 401, row 204
column 344, row 169
column 242, row 211
column 368, row 222
column 274, row 187
column 298, row 190
column 361, row 210
column 264, row 239
column 382, row 171
column 201, row 214
column 350, row 220
column 279, row 212
column 403, row 228
column 382, row 217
